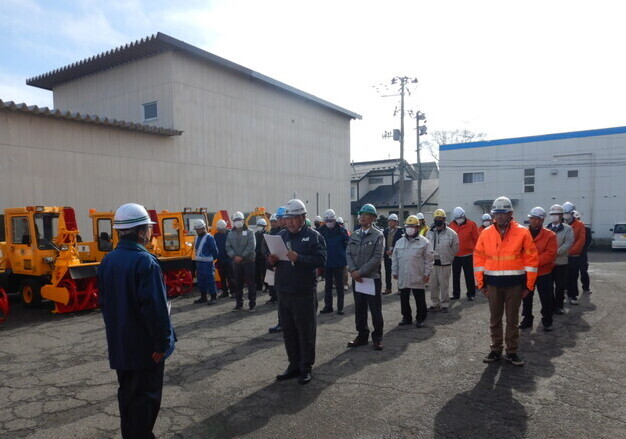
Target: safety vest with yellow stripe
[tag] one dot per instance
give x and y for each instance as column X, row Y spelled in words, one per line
column 513, row 255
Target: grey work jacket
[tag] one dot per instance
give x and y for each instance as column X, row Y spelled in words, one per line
column 564, row 240
column 365, row 252
column 241, row 243
column 445, row 244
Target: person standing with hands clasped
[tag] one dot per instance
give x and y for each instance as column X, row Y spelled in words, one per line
column 135, row 311
column 505, row 266
column 240, row 245
column 392, row 234
column 412, row 263
column 205, row 253
column 364, row 255
column 296, row 285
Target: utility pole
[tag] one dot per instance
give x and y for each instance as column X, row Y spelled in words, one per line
column 403, row 81
column 421, row 130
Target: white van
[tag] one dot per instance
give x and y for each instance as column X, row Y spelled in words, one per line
column 619, row 236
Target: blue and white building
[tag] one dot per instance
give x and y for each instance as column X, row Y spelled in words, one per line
column 587, row 168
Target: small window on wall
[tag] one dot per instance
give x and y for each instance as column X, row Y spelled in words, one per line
column 170, row 234
column 529, row 180
column 473, row 177
column 572, row 173
column 150, row 111
column 375, row 180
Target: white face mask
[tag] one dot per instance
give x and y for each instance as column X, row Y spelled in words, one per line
column 410, row 231
column 330, row 224
column 555, row 219
column 238, row 224
column 486, row 223
column 459, row 220
column 260, row 228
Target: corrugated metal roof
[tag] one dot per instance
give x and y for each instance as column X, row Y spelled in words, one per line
column 154, row 45
column 87, row 118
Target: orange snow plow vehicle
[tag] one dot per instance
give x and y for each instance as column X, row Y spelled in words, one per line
column 171, row 243
column 39, row 260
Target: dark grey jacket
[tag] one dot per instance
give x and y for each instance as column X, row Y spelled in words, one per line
column 241, row 243
column 365, row 252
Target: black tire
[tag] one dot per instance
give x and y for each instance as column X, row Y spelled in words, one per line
column 30, row 292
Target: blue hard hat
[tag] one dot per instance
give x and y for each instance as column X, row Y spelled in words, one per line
column 280, row 212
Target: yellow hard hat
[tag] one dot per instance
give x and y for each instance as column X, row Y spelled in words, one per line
column 439, row 212
column 412, row 221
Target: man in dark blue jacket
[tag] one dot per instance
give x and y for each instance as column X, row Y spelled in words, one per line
column 139, row 333
column 205, row 255
column 296, row 284
column 224, row 264
column 336, row 242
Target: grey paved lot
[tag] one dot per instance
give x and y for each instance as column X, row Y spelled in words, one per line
column 427, row 383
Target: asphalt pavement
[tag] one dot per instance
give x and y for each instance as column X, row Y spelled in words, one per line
column 428, row 382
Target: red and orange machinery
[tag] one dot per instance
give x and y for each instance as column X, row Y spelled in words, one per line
column 171, row 244
column 39, row 260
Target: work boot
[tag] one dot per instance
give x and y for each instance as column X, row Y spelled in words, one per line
column 514, row 359
column 493, row 357
column 326, row 311
column 526, row 323
column 223, row 295
column 275, row 329
column 213, row 300
column 387, row 291
column 202, row 299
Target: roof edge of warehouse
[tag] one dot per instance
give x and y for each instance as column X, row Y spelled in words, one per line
column 154, row 45
column 87, row 118
column 539, row 138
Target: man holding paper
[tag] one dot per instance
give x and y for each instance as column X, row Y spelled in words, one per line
column 364, row 255
column 296, row 257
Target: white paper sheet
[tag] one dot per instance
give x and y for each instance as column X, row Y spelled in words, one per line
column 276, row 246
column 365, row 287
column 269, row 277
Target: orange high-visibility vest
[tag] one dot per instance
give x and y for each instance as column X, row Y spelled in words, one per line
column 579, row 238
column 514, row 255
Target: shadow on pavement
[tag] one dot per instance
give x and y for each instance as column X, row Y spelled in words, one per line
column 490, row 410
column 283, row 398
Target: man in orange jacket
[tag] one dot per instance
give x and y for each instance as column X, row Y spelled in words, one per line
column 468, row 235
column 545, row 241
column 505, row 267
column 573, row 259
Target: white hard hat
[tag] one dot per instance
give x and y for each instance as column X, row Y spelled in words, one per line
column 221, row 224
column 261, row 222
column 329, row 215
column 486, row 217
column 273, row 217
column 199, row 224
column 420, row 215
column 131, row 215
column 556, row 209
column 318, row 219
column 458, row 212
column 339, row 220
column 294, row 207
column 501, row 205
column 537, row 212
column 568, row 207
column 393, row 217
column 237, row 216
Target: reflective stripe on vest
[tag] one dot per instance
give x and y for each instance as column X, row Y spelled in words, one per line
column 199, row 256
column 505, row 272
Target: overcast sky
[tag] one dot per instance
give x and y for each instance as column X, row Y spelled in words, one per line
column 504, row 68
